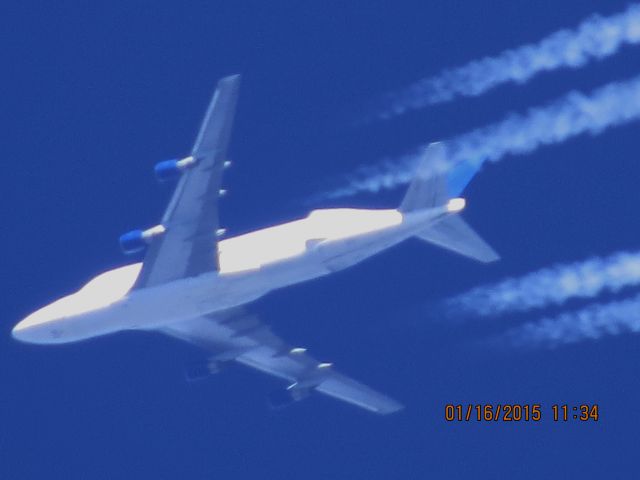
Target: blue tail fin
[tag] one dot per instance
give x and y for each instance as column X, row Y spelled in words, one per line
column 460, row 175
column 435, row 181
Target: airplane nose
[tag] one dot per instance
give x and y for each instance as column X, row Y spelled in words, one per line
column 30, row 329
column 44, row 326
column 19, row 331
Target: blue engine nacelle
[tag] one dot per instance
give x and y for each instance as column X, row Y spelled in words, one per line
column 137, row 240
column 170, row 169
column 132, row 242
column 167, row 170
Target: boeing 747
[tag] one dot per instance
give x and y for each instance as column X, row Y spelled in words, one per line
column 194, row 284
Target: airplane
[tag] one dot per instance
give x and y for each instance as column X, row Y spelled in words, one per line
column 194, row 284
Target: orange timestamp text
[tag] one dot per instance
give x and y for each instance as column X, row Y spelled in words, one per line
column 516, row 412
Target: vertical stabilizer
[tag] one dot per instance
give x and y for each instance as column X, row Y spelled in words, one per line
column 428, row 188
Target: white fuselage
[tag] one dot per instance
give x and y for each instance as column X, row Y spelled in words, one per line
column 250, row 266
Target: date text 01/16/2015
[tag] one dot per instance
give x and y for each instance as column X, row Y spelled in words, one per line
column 514, row 412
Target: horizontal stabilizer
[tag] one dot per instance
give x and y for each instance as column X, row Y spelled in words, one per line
column 454, row 234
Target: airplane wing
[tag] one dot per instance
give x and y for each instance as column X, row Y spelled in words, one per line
column 188, row 246
column 236, row 335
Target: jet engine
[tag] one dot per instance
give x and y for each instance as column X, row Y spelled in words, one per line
column 283, row 398
column 136, row 240
column 170, row 169
column 201, row 370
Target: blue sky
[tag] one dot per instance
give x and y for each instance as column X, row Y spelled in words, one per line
column 94, row 94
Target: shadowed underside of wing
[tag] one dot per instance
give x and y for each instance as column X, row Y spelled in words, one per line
column 235, row 335
column 188, row 246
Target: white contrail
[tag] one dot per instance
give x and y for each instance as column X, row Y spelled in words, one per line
column 550, row 286
column 590, row 323
column 574, row 114
column 594, row 39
